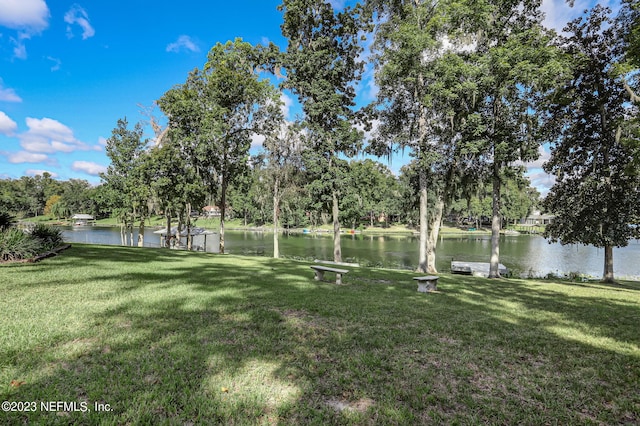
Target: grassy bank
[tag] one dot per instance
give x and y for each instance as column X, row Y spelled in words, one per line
column 169, row 337
column 238, row 224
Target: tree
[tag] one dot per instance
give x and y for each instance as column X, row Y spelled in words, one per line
column 127, row 178
column 595, row 197
column 427, row 91
column 516, row 63
column 322, row 65
column 369, row 184
column 214, row 114
column 50, row 205
column 283, row 165
column 76, row 196
column 629, row 22
column 176, row 185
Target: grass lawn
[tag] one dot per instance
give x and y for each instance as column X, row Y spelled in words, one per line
column 166, row 337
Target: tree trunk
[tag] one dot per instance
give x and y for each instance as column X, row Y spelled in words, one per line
column 178, row 239
column 167, row 238
column 494, row 270
column 423, row 262
column 189, row 236
column 141, row 232
column 123, row 234
column 433, row 237
column 276, row 203
column 337, row 250
column 223, row 209
column 607, row 276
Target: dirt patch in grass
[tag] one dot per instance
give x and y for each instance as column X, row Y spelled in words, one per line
column 360, row 406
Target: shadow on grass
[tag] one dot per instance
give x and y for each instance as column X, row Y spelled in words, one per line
column 215, row 339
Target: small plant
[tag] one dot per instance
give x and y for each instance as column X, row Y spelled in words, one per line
column 48, row 236
column 6, row 221
column 16, row 245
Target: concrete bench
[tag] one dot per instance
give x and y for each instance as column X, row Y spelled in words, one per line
column 427, row 284
column 320, row 270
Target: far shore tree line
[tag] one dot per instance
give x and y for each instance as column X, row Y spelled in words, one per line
column 470, row 89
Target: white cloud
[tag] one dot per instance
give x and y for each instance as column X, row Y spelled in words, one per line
column 49, row 136
column 36, row 172
column 368, row 135
column 542, row 181
column 558, row 12
column 287, row 101
column 19, row 50
column 26, row 157
column 543, row 158
column 29, row 16
column 88, row 167
column 7, row 125
column 257, row 140
column 77, row 15
column 8, row 95
column 56, row 63
column 184, row 42
column 337, row 4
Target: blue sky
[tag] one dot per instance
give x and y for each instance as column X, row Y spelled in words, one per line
column 69, row 70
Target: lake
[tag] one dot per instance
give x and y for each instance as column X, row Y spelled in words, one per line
column 524, row 255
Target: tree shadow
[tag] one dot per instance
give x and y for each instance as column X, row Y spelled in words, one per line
column 263, row 343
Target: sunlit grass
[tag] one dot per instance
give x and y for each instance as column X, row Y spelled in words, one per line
column 170, row 337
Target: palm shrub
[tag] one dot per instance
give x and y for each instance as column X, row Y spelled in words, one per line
column 6, row 221
column 48, row 236
column 16, row 245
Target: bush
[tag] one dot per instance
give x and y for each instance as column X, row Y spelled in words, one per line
column 6, row 221
column 16, row 245
column 48, row 236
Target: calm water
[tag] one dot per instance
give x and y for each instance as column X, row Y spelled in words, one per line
column 523, row 254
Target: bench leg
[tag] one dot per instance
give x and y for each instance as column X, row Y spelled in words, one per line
column 339, row 279
column 427, row 286
column 319, row 275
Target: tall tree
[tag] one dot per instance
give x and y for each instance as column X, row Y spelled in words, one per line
column 175, row 185
column 427, row 91
column 322, row 65
column 217, row 110
column 127, row 179
column 283, row 165
column 595, row 198
column 516, row 62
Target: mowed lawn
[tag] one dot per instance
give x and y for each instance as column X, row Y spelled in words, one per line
column 115, row 335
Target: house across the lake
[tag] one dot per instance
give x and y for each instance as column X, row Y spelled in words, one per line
column 83, row 220
column 537, row 218
column 211, row 211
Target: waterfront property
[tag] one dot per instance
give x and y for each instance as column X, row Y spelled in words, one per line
column 83, row 220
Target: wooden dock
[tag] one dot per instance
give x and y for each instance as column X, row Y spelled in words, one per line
column 477, row 269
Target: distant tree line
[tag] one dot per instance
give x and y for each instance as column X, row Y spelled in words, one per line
column 32, row 196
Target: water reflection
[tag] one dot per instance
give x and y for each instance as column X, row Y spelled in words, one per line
column 526, row 255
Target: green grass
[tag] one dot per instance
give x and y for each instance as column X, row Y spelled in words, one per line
column 168, row 337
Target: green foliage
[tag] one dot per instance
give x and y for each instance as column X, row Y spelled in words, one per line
column 27, row 196
column 6, row 221
column 595, row 198
column 17, row 245
column 215, row 113
column 48, row 236
column 127, row 178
